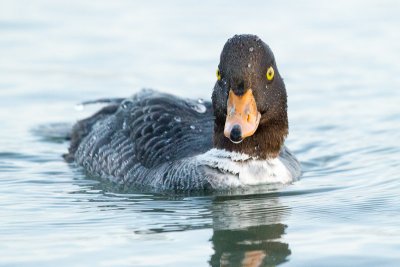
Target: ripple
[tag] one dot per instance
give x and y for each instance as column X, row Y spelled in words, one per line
column 344, row 128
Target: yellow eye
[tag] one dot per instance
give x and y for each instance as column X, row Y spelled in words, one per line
column 218, row 75
column 270, row 73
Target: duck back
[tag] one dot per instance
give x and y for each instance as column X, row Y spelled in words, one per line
column 142, row 141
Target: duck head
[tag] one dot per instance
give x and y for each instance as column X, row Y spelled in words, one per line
column 249, row 99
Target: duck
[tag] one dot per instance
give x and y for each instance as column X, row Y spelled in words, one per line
column 160, row 142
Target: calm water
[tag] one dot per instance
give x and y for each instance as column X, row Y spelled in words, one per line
column 341, row 66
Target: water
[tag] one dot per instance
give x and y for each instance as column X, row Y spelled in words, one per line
column 341, row 68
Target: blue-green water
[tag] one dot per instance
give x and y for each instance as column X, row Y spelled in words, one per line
column 341, row 66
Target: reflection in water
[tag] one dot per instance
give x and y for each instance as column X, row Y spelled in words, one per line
column 247, row 232
column 344, row 118
column 247, row 229
column 253, row 246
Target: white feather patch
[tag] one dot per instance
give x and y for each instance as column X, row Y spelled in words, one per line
column 237, row 169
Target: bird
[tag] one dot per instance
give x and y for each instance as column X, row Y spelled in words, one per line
column 155, row 141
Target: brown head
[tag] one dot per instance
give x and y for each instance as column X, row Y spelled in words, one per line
column 249, row 99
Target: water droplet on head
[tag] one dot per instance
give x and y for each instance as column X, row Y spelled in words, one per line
column 167, row 157
column 192, row 127
column 249, row 65
column 251, row 49
column 177, row 119
column 200, row 101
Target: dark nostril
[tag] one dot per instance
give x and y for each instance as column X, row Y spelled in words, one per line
column 236, row 133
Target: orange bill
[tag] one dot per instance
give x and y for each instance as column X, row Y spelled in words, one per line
column 242, row 116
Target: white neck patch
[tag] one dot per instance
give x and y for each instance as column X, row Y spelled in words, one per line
column 237, row 169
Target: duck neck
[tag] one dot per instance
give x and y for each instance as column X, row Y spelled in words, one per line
column 265, row 143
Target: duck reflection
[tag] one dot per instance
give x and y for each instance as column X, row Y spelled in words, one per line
column 247, row 232
column 247, row 229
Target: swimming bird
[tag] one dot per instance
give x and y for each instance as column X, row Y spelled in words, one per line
column 157, row 141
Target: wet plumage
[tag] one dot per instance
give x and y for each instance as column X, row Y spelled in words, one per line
column 157, row 141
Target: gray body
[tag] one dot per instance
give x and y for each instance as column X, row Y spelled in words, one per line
column 160, row 142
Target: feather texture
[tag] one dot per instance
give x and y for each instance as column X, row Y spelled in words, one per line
column 162, row 142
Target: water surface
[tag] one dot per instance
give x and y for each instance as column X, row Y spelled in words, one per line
column 341, row 68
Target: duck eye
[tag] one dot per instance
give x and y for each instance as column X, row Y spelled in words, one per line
column 218, row 75
column 270, row 73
